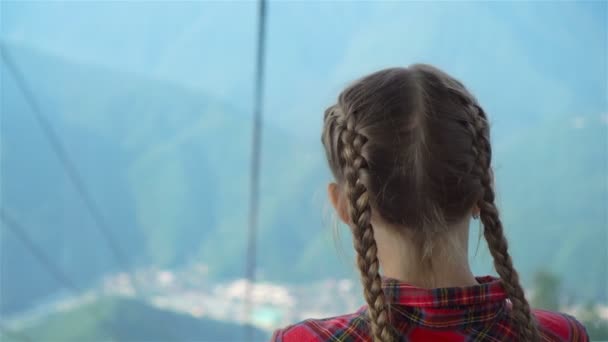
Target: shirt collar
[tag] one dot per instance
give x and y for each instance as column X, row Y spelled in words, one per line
column 444, row 307
column 489, row 290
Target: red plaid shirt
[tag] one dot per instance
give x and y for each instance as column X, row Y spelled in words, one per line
column 476, row 313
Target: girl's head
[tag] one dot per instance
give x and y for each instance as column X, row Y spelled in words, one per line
column 411, row 147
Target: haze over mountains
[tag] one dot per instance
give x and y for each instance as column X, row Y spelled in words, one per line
column 150, row 154
column 155, row 113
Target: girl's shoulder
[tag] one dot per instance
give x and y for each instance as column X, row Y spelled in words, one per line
column 326, row 329
column 557, row 326
column 554, row 326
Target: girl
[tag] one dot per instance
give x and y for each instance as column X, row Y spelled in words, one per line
column 410, row 153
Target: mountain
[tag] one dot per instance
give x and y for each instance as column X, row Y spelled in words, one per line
column 168, row 166
column 122, row 319
column 553, row 191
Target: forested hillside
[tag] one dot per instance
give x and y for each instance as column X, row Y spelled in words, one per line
column 168, row 167
column 121, row 319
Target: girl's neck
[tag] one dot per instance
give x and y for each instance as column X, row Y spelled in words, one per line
column 432, row 262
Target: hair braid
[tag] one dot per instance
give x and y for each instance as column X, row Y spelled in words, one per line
column 354, row 165
column 396, row 136
column 493, row 230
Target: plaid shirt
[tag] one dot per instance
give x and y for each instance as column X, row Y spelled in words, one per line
column 476, row 313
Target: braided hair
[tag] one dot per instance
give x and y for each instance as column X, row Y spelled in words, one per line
column 494, row 235
column 412, row 145
column 354, row 166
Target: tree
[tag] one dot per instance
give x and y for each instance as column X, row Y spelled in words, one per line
column 547, row 289
column 597, row 327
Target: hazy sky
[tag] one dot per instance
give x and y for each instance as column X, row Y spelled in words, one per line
column 519, row 58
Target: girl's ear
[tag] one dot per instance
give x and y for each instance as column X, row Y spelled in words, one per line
column 338, row 202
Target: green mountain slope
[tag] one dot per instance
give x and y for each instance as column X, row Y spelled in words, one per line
column 553, row 188
column 168, row 166
column 121, row 319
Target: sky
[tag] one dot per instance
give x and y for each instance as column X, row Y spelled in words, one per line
column 524, row 60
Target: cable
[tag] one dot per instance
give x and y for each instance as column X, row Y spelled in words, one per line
column 37, row 252
column 76, row 179
column 255, row 168
column 69, row 167
column 19, row 231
